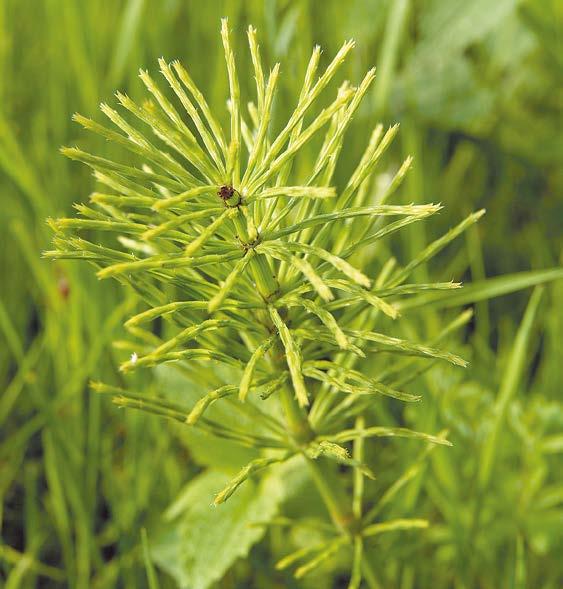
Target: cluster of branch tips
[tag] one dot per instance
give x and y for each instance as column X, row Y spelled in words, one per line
column 258, row 271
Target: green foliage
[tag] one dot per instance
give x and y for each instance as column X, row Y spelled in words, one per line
column 198, row 543
column 502, row 508
column 84, row 485
column 230, row 279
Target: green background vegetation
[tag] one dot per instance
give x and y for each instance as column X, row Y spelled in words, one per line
column 476, row 87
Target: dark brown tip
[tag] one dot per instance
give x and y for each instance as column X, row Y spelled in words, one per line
column 225, row 192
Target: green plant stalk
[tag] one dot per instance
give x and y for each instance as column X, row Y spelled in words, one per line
column 327, row 484
column 296, row 419
column 299, row 427
column 333, row 495
column 266, row 282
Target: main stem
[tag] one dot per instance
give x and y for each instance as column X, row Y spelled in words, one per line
column 298, row 425
column 328, row 485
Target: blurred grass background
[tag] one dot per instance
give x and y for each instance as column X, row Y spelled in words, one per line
column 476, row 86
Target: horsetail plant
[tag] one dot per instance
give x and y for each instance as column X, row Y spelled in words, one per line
column 259, row 265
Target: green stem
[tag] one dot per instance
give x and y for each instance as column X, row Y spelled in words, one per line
column 333, row 495
column 241, row 226
column 299, row 426
column 264, row 278
column 296, row 418
column 327, row 483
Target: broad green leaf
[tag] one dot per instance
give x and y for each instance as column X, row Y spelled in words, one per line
column 206, row 449
column 199, row 542
column 446, row 27
column 439, row 82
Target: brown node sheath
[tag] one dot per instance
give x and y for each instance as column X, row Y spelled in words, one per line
column 225, row 192
column 229, row 196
